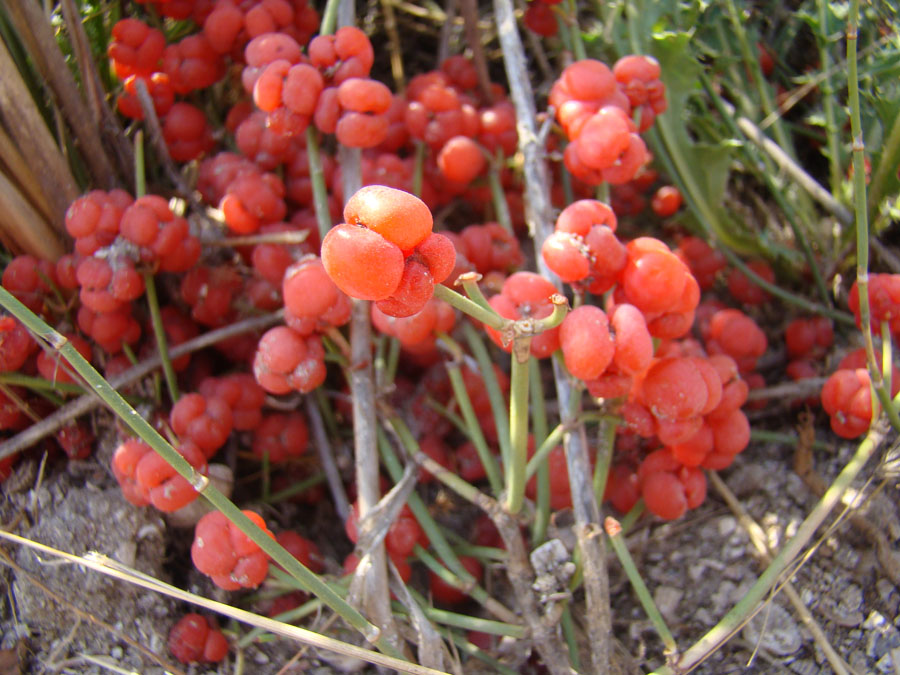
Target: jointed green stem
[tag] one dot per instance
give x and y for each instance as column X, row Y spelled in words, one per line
column 499, row 407
column 550, row 441
column 614, row 530
column 419, row 167
column 159, row 332
column 539, row 429
column 568, row 630
column 518, row 424
column 862, row 217
column 473, row 428
column 828, row 100
column 470, row 307
column 461, row 578
column 317, row 175
column 501, row 208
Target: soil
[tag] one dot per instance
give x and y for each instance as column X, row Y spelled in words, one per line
column 696, row 568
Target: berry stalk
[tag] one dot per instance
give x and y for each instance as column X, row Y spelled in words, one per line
column 862, row 217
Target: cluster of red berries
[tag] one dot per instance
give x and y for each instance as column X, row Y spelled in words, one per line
column 594, row 105
column 386, row 251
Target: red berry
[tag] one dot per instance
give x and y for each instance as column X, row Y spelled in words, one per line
column 586, row 343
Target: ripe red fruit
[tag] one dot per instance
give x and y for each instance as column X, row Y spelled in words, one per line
column 846, row 397
column 187, row 132
column 666, row 201
column 400, row 217
column 526, row 295
column 302, row 549
column 193, row 639
column 461, row 159
column 585, row 341
column 674, row 388
column 402, row 536
column 205, row 421
column 135, row 49
column 669, row 488
column 161, row 94
column 286, row 361
column 746, row 291
column 634, row 346
column 361, row 262
column 242, row 394
column 654, row 278
column 884, row 302
column 540, row 19
column 281, row 436
column 732, row 332
column 226, row 555
column 808, row 337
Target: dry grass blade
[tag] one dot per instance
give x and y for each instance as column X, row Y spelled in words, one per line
column 35, row 30
column 104, row 565
column 17, row 170
column 25, row 125
column 101, row 116
column 23, row 228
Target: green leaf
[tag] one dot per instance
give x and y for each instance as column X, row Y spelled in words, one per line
column 702, row 170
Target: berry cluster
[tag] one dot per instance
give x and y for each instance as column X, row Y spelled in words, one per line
column 386, row 251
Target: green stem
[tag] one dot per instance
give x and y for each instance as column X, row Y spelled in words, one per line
column 828, row 101
column 607, row 445
column 518, row 425
column 549, row 442
column 296, row 489
column 419, row 167
column 469, row 282
column 750, row 603
column 471, row 650
column 473, row 309
column 266, row 477
column 751, row 62
column 309, row 581
column 614, row 530
column 329, row 17
column 577, row 42
column 539, row 427
column 159, row 332
column 473, row 427
column 317, row 174
column 763, row 436
column 474, row 623
column 568, row 630
column 418, row 507
column 501, row 208
column 390, row 371
column 633, row 515
column 499, row 407
column 862, row 217
column 887, row 357
column 40, row 384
